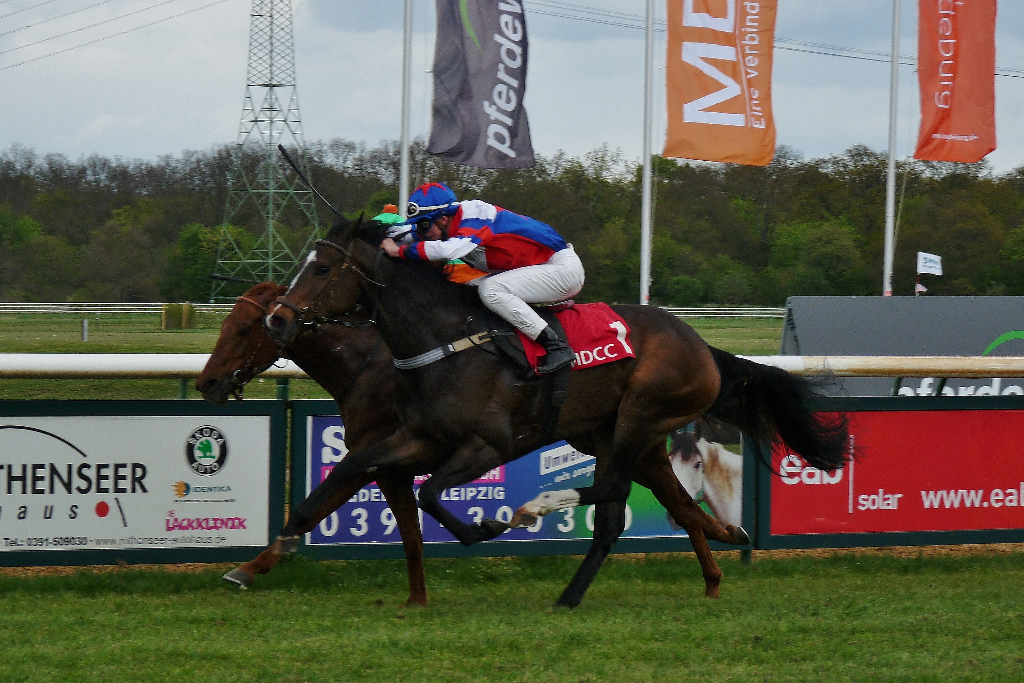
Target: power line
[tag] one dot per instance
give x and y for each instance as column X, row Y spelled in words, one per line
column 83, row 28
column 25, row 9
column 112, row 35
column 59, row 16
column 596, row 15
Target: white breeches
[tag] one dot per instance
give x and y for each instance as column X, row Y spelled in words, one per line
column 509, row 293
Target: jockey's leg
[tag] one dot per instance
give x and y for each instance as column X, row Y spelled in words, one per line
column 509, row 294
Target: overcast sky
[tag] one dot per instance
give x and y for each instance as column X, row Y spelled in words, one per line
column 173, row 73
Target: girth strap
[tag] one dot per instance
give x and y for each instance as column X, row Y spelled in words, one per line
column 443, row 352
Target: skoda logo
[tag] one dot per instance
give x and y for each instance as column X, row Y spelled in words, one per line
column 206, row 450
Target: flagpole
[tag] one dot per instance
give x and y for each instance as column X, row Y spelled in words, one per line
column 403, row 172
column 890, row 181
column 646, row 202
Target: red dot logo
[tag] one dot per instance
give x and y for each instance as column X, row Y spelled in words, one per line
column 102, row 509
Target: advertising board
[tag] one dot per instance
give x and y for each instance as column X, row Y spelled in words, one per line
column 916, row 471
column 134, row 482
column 367, row 520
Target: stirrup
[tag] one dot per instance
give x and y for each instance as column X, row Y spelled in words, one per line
column 555, row 361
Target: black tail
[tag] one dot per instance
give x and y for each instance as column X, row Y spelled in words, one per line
column 770, row 406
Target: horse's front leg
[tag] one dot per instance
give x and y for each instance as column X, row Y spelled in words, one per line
column 470, row 461
column 351, row 474
column 327, row 497
column 399, row 494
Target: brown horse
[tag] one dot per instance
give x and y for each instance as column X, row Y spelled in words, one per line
column 352, row 364
column 470, row 412
column 350, row 361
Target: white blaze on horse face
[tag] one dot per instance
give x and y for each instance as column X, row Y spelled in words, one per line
column 305, row 264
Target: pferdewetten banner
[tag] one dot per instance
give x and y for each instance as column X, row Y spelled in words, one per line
column 105, row 483
column 480, row 59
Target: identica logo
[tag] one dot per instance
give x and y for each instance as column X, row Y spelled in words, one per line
column 180, row 488
column 206, row 450
column 560, row 457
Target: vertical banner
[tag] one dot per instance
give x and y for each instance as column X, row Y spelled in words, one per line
column 719, row 73
column 479, row 84
column 956, row 74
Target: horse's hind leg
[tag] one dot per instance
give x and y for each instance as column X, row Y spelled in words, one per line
column 687, row 514
column 609, row 523
column 399, row 494
column 654, row 471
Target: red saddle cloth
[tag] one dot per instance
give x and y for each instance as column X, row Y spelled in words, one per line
column 595, row 332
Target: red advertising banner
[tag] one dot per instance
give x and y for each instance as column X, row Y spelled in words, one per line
column 917, row 471
column 718, row 76
column 956, row 73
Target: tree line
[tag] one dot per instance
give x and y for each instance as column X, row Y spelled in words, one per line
column 113, row 229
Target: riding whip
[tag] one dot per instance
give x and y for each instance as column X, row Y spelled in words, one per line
column 295, row 167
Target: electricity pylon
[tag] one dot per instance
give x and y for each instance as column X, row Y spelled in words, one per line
column 260, row 182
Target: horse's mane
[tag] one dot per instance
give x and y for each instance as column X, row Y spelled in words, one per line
column 430, row 276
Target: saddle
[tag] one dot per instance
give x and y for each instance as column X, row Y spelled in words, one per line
column 503, row 335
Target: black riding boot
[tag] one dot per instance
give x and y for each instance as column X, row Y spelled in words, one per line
column 559, row 354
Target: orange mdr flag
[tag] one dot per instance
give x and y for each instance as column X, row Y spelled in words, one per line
column 956, row 72
column 719, row 76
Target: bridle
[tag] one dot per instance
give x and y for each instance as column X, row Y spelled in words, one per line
column 306, row 315
column 238, row 378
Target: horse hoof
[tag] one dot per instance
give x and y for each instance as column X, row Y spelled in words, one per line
column 494, row 528
column 240, row 578
column 739, row 535
column 711, row 592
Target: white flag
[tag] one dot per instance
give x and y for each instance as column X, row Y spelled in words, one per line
column 920, row 289
column 929, row 264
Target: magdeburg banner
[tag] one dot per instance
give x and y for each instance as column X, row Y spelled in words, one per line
column 956, row 73
column 133, row 482
column 719, row 74
column 479, row 83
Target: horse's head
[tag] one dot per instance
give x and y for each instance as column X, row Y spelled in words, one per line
column 329, row 282
column 243, row 349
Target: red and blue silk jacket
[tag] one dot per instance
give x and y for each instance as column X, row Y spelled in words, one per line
column 491, row 239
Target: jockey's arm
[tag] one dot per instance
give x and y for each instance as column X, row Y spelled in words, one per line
column 435, row 250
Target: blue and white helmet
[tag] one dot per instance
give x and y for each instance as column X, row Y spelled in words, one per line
column 429, row 201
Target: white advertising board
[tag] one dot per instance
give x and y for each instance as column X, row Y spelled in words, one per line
column 138, row 482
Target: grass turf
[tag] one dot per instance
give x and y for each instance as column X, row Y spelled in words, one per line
column 841, row 617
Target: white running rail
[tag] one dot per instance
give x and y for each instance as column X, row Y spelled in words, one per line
column 185, row 365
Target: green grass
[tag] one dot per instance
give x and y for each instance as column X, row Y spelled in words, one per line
column 141, row 333
column 839, row 618
column 136, row 333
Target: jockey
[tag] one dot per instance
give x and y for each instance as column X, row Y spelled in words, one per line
column 527, row 261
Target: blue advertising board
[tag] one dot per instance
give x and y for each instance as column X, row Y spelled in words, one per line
column 366, row 527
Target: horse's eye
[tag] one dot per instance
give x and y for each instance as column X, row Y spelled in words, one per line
column 322, row 270
column 243, row 331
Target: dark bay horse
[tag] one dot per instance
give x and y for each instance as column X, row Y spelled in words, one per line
column 352, row 363
column 473, row 411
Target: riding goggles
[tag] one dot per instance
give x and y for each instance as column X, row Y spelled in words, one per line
column 413, row 209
